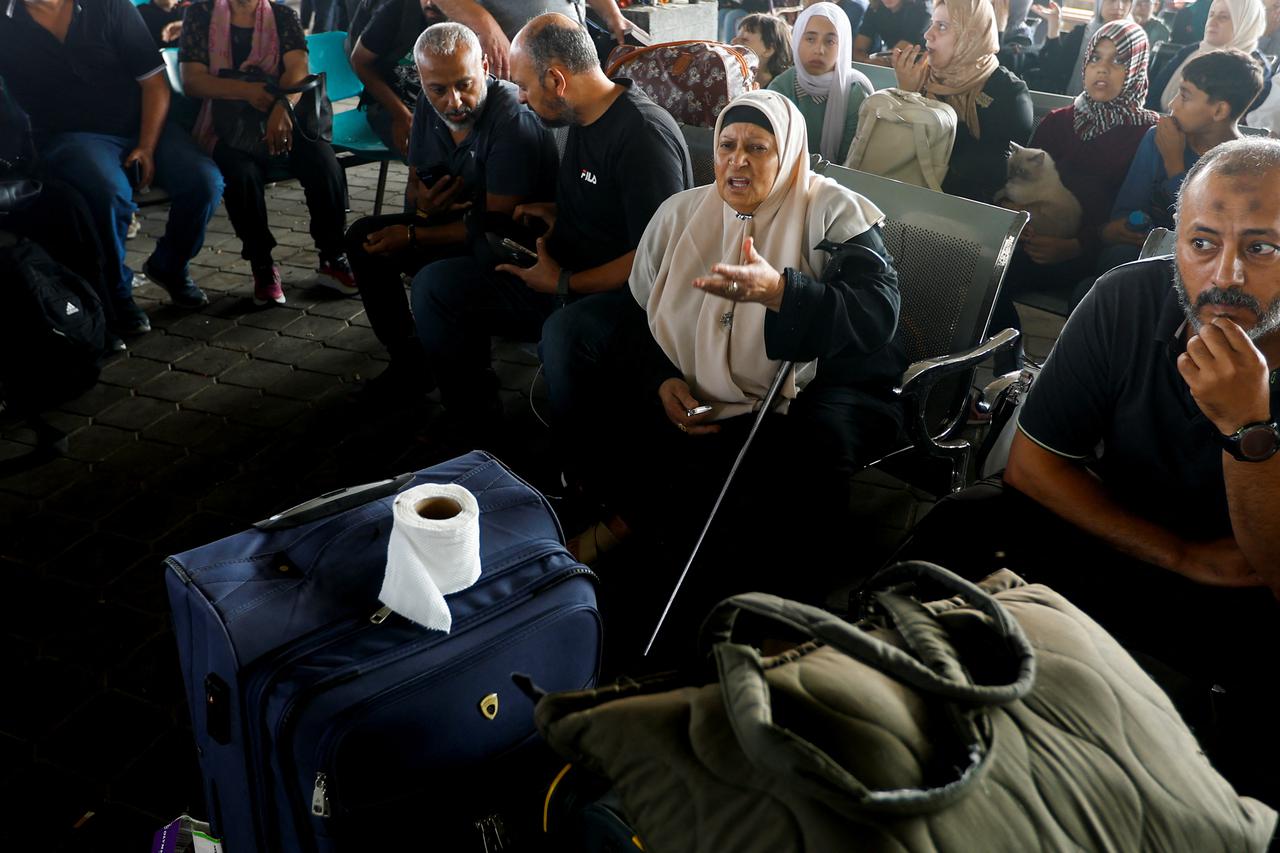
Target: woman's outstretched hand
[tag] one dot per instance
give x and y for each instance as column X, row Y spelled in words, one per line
column 754, row 281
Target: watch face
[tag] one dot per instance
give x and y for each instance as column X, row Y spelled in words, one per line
column 1258, row 442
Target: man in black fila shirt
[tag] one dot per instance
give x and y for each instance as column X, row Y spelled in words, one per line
column 624, row 156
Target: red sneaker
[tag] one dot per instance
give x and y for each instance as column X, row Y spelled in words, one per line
column 266, row 286
column 335, row 273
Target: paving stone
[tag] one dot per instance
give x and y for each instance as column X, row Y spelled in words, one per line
column 287, row 350
column 43, row 537
column 257, row 374
column 96, row 634
column 98, row 559
column 163, row 347
column 338, row 309
column 166, row 777
column 78, row 744
column 227, row 307
column 225, row 400
column 147, row 516
column 191, row 476
column 175, row 386
column 209, row 361
column 243, row 338
column 335, row 361
column 356, row 339
column 131, row 371
column 303, row 385
column 96, row 442
column 269, row 412
column 274, row 317
column 139, row 459
column 201, row 326
column 230, row 442
column 135, row 413
column 112, row 821
column 51, row 691
column 316, row 328
column 96, row 399
column 45, row 479
column 16, row 755
column 95, row 496
column 142, row 588
column 184, row 428
column 45, row 802
column 222, row 282
column 15, row 510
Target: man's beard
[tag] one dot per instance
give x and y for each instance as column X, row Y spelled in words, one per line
column 1231, row 297
column 471, row 115
column 563, row 116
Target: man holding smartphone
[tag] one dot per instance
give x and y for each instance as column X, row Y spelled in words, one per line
column 472, row 147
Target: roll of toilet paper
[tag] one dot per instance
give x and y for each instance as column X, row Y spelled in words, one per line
column 434, row 549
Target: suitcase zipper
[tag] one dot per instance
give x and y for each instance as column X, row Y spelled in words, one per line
column 328, row 747
column 352, row 628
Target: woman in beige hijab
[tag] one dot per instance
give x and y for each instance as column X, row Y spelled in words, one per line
column 958, row 65
column 732, row 283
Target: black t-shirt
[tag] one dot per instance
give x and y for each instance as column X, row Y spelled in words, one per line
column 199, row 18
column 886, row 28
column 87, row 83
column 508, row 151
column 614, row 174
column 392, row 30
column 1111, row 397
column 157, row 19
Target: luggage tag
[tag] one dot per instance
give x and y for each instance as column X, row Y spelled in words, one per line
column 185, row 835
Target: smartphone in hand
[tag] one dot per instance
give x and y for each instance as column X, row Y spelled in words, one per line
column 134, row 172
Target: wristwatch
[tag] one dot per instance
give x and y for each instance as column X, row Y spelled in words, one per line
column 1255, row 442
column 562, row 283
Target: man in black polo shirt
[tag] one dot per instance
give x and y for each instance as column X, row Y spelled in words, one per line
column 480, row 150
column 382, row 35
column 1150, row 438
column 624, row 156
column 89, row 75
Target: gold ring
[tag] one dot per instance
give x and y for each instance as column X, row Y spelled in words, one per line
column 733, row 290
column 682, row 427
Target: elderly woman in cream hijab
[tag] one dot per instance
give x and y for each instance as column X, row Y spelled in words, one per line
column 1231, row 23
column 733, row 279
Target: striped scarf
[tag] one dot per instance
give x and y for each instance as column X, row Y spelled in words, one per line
column 1092, row 118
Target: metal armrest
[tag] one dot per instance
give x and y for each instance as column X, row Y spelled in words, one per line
column 920, row 378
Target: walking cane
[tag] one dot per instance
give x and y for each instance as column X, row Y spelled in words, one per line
column 839, row 252
column 769, row 397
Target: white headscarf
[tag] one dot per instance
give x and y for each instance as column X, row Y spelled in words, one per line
column 725, row 362
column 834, row 85
column 1249, row 22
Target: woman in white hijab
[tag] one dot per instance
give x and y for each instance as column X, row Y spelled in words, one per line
column 732, row 282
column 1231, row 23
column 823, row 82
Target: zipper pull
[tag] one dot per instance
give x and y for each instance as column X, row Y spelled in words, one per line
column 319, row 798
column 380, row 616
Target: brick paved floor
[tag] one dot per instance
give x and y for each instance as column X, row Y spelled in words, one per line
column 214, row 419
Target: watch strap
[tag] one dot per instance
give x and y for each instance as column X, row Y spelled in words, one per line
column 1235, row 442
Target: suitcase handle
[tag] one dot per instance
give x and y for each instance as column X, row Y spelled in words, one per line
column 332, row 503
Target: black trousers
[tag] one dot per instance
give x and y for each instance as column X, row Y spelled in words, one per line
column 382, row 287
column 1190, row 637
column 315, row 167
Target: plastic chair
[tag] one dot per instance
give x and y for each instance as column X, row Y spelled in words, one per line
column 880, row 77
column 951, row 255
column 353, row 139
column 701, row 153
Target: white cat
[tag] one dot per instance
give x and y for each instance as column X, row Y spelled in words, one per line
column 1034, row 186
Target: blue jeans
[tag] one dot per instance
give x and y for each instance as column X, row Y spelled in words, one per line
column 92, row 163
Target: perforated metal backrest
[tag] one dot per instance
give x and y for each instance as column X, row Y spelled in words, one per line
column 702, row 153
column 1043, row 103
column 951, row 255
column 880, row 77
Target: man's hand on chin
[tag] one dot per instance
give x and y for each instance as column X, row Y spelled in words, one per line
column 1227, row 375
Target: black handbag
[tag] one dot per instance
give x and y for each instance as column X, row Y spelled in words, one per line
column 243, row 126
column 17, row 156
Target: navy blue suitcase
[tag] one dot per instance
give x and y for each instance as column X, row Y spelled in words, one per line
column 324, row 724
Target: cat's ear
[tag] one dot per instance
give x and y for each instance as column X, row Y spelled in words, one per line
column 1015, row 149
column 1037, row 158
